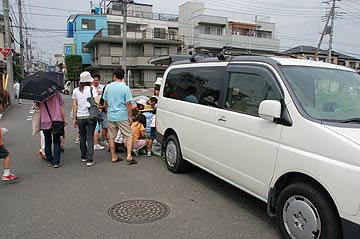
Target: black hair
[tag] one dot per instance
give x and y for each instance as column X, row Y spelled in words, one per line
column 96, row 76
column 82, row 86
column 135, row 115
column 154, row 99
column 119, row 73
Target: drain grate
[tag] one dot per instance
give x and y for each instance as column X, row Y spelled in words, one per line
column 138, row 211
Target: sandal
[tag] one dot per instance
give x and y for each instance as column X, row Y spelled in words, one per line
column 42, row 156
column 118, row 159
column 132, row 161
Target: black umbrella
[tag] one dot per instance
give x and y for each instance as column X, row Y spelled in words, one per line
column 41, row 85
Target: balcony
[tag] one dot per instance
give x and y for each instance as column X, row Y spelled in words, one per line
column 138, row 37
column 239, row 41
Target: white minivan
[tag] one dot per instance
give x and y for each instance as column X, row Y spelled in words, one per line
column 286, row 131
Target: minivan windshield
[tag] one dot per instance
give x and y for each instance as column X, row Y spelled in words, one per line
column 326, row 94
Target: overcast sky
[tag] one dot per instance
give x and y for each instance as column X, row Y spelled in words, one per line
column 297, row 22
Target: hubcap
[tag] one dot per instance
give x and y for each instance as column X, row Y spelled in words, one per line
column 301, row 218
column 171, row 153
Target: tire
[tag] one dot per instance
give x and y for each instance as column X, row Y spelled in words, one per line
column 173, row 157
column 66, row 92
column 305, row 211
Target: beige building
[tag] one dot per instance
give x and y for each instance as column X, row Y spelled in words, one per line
column 212, row 29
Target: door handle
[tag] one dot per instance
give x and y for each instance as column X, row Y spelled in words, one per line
column 222, row 119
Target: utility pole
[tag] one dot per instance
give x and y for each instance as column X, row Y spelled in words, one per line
column 323, row 34
column 21, row 39
column 9, row 59
column 331, row 31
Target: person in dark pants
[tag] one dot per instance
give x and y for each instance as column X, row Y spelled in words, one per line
column 82, row 117
column 52, row 109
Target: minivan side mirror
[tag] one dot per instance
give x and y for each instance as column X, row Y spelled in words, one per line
column 270, row 109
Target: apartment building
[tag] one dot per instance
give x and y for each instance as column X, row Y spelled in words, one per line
column 212, row 29
column 148, row 35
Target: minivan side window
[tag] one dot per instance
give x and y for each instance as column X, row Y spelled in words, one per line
column 199, row 85
column 247, row 90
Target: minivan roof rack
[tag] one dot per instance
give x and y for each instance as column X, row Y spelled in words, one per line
column 232, row 51
column 197, row 52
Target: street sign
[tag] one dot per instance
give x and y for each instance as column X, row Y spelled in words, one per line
column 5, row 51
column 68, row 50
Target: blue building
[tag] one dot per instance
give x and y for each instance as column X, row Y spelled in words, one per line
column 82, row 28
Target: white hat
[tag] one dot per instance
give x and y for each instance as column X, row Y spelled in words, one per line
column 141, row 102
column 158, row 81
column 209, row 99
column 85, row 77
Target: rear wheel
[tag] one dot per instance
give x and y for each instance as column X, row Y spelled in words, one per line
column 173, row 157
column 305, row 212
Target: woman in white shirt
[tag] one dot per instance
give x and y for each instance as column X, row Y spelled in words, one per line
column 82, row 117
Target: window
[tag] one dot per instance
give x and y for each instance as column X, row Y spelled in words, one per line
column 247, row 90
column 88, row 24
column 219, row 31
column 160, row 33
column 325, row 94
column 207, row 30
column 132, row 28
column 84, row 49
column 199, row 85
column 264, row 34
column 161, row 51
column 114, row 29
column 116, row 51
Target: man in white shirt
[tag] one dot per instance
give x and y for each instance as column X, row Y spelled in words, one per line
column 17, row 92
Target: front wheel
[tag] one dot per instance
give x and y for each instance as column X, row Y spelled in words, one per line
column 173, row 157
column 304, row 211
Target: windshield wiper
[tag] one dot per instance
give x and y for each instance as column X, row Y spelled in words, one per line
column 352, row 120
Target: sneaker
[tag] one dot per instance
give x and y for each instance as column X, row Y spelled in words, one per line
column 57, row 166
column 149, row 154
column 90, row 163
column 10, row 177
column 83, row 160
column 98, row 147
column 50, row 164
column 77, row 141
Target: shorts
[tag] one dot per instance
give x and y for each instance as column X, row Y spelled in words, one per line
column 3, row 152
column 105, row 121
column 153, row 133
column 123, row 126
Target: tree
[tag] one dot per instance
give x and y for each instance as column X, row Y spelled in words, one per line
column 17, row 73
column 73, row 67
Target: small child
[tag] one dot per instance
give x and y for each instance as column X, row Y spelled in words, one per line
column 138, row 129
column 4, row 154
column 152, row 134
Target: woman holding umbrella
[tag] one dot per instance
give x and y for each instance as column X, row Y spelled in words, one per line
column 82, row 117
column 44, row 88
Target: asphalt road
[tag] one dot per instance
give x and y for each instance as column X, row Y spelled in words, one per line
column 73, row 201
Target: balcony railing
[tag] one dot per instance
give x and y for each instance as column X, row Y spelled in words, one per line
column 145, row 34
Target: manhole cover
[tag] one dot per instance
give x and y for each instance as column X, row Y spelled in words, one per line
column 138, row 211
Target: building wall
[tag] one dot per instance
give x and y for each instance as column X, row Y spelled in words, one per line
column 194, row 18
column 83, row 35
